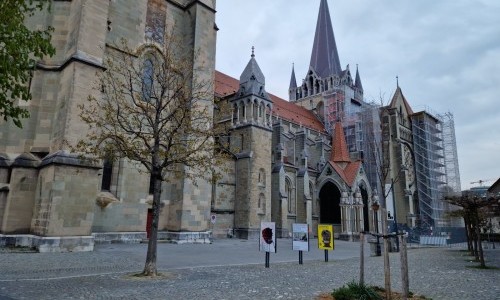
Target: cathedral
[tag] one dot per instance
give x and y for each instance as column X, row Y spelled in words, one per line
column 301, row 160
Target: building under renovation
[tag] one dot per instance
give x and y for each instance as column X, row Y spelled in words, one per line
column 436, row 167
column 314, row 159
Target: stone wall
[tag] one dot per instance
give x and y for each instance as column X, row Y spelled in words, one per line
column 65, row 197
column 18, row 207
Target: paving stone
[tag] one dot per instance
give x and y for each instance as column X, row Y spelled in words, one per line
column 439, row 273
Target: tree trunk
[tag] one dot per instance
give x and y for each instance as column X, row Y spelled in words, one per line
column 150, row 266
column 474, row 229
column 468, row 233
column 478, row 234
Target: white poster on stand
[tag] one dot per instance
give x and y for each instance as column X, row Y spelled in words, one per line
column 300, row 237
column 267, row 241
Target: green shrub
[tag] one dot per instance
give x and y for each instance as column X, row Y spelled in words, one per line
column 355, row 291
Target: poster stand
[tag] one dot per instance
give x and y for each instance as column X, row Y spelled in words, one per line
column 267, row 240
column 326, row 238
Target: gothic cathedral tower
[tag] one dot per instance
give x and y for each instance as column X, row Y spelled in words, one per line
column 251, row 136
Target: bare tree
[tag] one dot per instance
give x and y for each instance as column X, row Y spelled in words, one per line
column 155, row 108
column 379, row 141
column 474, row 216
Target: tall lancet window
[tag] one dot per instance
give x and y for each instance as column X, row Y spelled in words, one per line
column 147, row 79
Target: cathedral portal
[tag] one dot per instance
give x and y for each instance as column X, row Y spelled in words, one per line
column 329, row 199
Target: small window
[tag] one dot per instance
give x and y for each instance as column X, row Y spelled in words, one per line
column 262, row 177
column 107, row 171
column 151, row 185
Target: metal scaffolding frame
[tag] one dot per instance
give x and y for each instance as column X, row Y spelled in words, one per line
column 436, row 165
column 450, row 152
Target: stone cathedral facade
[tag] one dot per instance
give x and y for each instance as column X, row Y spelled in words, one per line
column 292, row 164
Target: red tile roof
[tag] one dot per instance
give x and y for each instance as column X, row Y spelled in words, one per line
column 339, row 147
column 348, row 174
column 351, row 171
column 339, row 157
column 226, row 86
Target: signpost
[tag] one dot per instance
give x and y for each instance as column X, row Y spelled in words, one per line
column 300, row 239
column 325, row 238
column 267, row 240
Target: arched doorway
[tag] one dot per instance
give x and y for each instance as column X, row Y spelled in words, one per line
column 364, row 196
column 329, row 201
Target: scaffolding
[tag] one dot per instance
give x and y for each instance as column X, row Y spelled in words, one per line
column 450, row 153
column 430, row 170
column 334, row 108
column 371, row 146
column 451, row 163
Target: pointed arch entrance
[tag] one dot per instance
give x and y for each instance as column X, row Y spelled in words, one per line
column 364, row 196
column 329, row 204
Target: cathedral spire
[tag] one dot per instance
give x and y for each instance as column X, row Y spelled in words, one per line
column 325, row 58
column 293, row 81
column 357, row 82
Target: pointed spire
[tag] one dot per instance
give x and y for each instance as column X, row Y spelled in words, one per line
column 252, row 81
column 252, row 71
column 325, row 58
column 293, row 81
column 357, row 82
column 398, row 94
column 339, row 154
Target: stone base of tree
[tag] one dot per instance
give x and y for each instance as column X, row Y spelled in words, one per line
column 49, row 244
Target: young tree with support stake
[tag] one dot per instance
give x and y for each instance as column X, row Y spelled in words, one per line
column 386, row 179
column 156, row 109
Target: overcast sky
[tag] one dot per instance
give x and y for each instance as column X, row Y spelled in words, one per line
column 446, row 54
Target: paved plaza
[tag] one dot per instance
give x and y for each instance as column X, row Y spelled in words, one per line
column 234, row 269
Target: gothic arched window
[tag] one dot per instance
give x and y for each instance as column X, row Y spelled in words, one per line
column 289, row 194
column 147, row 79
column 262, row 177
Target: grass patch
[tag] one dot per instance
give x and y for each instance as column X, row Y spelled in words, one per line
column 354, row 290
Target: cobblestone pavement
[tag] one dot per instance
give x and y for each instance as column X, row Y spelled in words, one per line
column 224, row 271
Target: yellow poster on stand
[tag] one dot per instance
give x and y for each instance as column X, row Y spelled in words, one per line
column 325, row 237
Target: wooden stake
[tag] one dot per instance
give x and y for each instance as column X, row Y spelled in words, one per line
column 404, row 267
column 362, row 258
